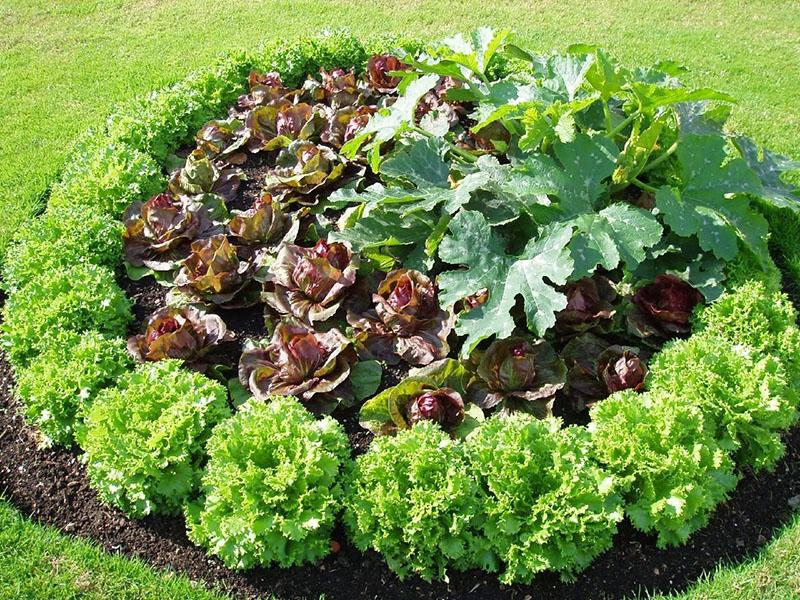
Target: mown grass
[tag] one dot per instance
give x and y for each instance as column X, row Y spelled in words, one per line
column 65, row 64
column 39, row 563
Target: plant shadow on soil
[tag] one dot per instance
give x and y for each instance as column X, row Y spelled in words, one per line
column 51, row 487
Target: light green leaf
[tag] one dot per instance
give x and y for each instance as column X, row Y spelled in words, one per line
column 704, row 207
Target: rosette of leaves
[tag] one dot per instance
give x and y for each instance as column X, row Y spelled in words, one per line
column 264, row 88
column 299, row 361
column 264, row 224
column 663, row 309
column 158, row 232
column 271, row 490
column 339, row 87
column 280, row 122
column 406, row 322
column 343, row 124
column 435, row 393
column 221, row 139
column 178, row 332
column 214, row 273
column 519, row 372
column 310, row 283
column 548, row 504
column 201, row 176
column 145, row 438
column 590, row 306
column 598, row 369
column 378, row 68
column 302, row 168
column 413, row 499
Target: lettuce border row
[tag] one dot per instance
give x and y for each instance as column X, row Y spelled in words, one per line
column 672, row 454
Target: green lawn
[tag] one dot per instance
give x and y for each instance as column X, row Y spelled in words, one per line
column 64, row 64
column 39, row 563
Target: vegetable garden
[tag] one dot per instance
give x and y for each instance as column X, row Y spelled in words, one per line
column 460, row 305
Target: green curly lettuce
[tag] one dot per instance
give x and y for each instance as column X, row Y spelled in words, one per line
column 271, row 490
column 745, row 398
column 548, row 505
column 60, row 238
column 670, row 467
column 63, row 381
column 751, row 315
column 145, row 439
column 78, row 298
column 413, row 499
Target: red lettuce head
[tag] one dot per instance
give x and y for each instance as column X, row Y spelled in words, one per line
column 340, row 87
column 304, row 167
column 178, row 332
column 378, row 68
column 664, row 308
column 443, row 406
column 406, row 322
column 310, row 283
column 158, row 232
column 214, row 273
column 264, row 223
column 299, row 361
column 598, row 369
column 590, row 305
column 620, row 368
column 521, row 372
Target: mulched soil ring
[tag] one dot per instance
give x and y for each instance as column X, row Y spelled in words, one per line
column 51, row 487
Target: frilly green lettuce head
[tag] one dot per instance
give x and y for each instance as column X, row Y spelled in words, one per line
column 310, row 283
column 299, row 361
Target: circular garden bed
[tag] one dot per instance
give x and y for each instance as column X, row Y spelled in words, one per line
column 458, row 313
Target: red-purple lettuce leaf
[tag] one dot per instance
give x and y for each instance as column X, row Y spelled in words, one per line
column 663, row 309
column 519, row 372
column 406, row 321
column 598, row 368
column 158, row 232
column 433, row 393
column 178, row 332
column 299, row 361
column 264, row 224
column 378, row 68
column 310, row 283
column 214, row 273
column 590, row 306
column 302, row 168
